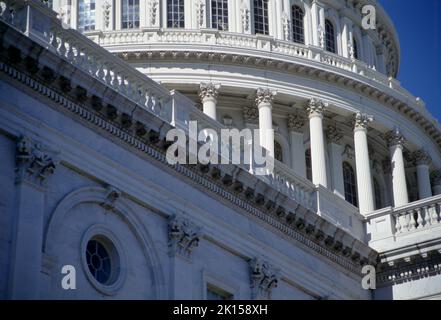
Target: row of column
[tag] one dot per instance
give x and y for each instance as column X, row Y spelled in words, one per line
column 315, row 110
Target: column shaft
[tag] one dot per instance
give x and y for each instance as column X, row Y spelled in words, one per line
column 364, row 176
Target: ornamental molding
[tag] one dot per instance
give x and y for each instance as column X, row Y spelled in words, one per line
column 404, row 108
column 394, row 138
column 296, row 122
column 184, row 236
column 286, row 22
column 106, row 14
column 153, row 11
column 264, row 279
column 265, row 96
column 245, row 16
column 340, row 248
column 334, row 134
column 421, row 157
column 34, row 161
column 200, row 12
column 316, row 107
column 362, row 120
column 209, row 90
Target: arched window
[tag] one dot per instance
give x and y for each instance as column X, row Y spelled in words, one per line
column 219, row 14
column 330, row 36
column 86, row 15
column 377, row 192
column 308, row 164
column 175, row 14
column 349, row 182
column 130, row 14
column 298, row 29
column 355, row 47
column 261, row 17
column 278, row 151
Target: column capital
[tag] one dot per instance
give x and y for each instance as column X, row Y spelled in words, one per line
column 34, row 161
column 394, row 138
column 435, row 176
column 209, row 90
column 296, row 122
column 265, row 95
column 362, row 120
column 316, row 107
column 334, row 134
column 421, row 158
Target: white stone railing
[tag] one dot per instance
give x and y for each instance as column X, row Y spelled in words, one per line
column 419, row 221
column 180, row 39
column 417, row 215
column 41, row 24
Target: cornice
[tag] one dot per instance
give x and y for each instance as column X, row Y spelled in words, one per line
column 398, row 100
column 299, row 225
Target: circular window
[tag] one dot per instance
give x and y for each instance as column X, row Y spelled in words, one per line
column 98, row 261
column 102, row 260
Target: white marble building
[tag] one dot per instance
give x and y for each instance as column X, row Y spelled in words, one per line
column 85, row 181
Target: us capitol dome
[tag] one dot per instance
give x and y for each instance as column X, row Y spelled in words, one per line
column 357, row 177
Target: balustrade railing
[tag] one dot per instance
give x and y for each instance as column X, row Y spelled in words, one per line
column 417, row 216
column 41, row 24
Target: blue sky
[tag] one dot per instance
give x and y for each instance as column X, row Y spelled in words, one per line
column 419, row 28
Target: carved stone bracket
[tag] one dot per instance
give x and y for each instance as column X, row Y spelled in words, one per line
column 112, row 196
column 264, row 278
column 34, row 161
column 184, row 236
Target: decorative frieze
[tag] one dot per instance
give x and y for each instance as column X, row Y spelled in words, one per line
column 296, row 122
column 183, row 235
column 264, row 278
column 153, row 11
column 349, row 152
column 316, row 107
column 394, row 138
column 34, row 161
column 106, row 14
column 362, row 120
column 245, row 16
column 200, row 12
column 209, row 90
column 265, row 95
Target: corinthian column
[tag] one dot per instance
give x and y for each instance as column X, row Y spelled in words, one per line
column 395, row 141
column 364, row 176
column 208, row 93
column 315, row 110
column 422, row 161
column 264, row 98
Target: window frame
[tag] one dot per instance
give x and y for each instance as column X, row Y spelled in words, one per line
column 221, row 7
column 330, row 41
column 298, row 25
column 263, row 6
column 89, row 13
column 179, row 15
column 132, row 14
column 350, row 184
